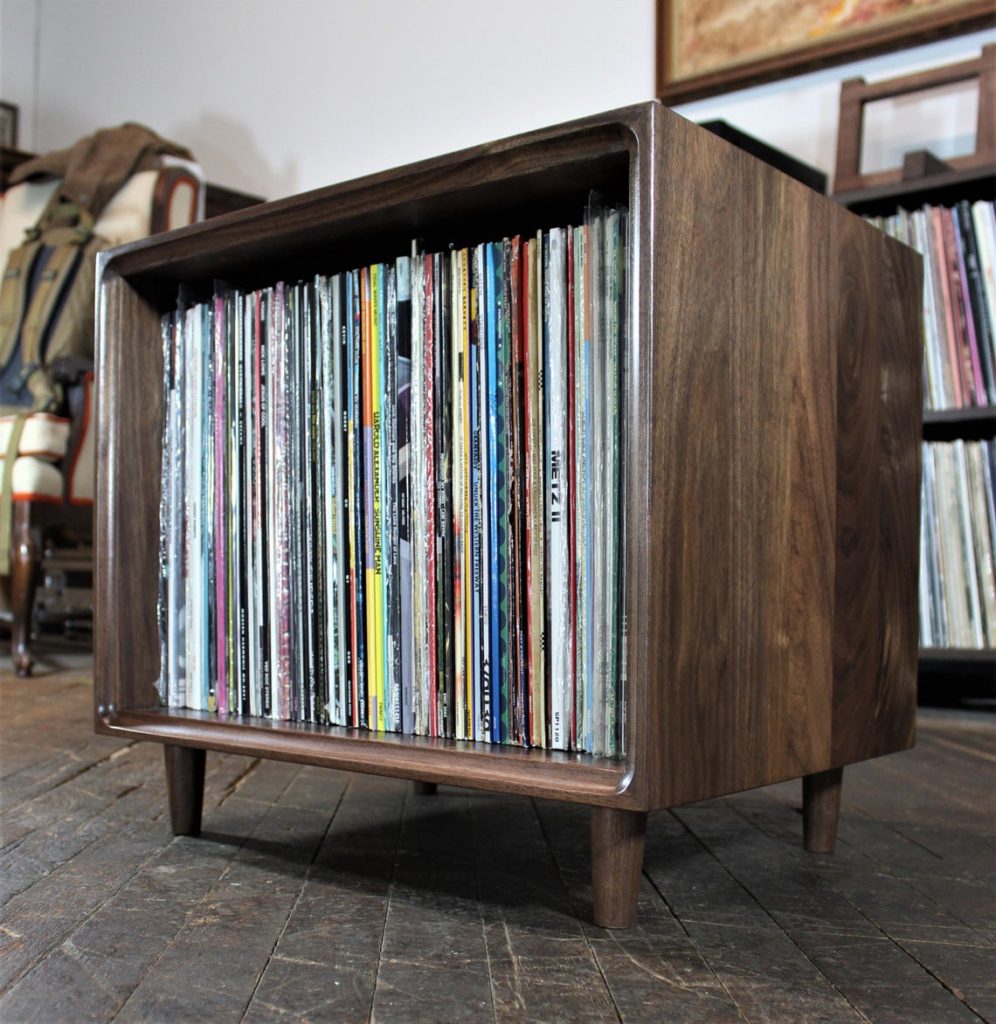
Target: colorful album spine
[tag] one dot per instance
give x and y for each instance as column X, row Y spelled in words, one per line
column 456, row 354
column 218, row 470
column 484, row 492
column 557, row 493
column 205, row 376
column 389, row 525
column 298, row 437
column 429, row 491
column 297, row 433
column 444, row 483
column 334, row 410
column 305, row 588
column 613, row 511
column 371, row 535
column 246, row 313
column 169, row 561
column 194, row 459
column 357, row 490
column 534, row 440
column 493, row 271
column 416, row 478
column 377, row 363
column 466, row 619
column 963, row 313
column 513, row 405
column 261, row 403
column 962, row 396
column 405, row 633
column 968, row 274
column 319, row 505
column 582, row 457
column 504, row 360
column 473, row 398
column 281, row 542
column 330, row 541
column 596, row 296
column 272, row 581
column 981, row 314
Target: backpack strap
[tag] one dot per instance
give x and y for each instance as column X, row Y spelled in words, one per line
column 65, row 229
column 13, row 293
column 7, row 491
column 61, row 265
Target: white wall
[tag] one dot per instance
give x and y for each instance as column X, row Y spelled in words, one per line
column 279, row 96
column 18, row 64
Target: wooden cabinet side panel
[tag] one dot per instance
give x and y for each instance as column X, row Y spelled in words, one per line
column 129, row 459
column 878, row 318
column 742, row 471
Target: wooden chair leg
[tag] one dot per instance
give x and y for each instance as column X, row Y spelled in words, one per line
column 617, row 843
column 185, row 787
column 423, row 788
column 821, row 809
column 24, row 570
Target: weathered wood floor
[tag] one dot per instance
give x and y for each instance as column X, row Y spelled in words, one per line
column 320, row 896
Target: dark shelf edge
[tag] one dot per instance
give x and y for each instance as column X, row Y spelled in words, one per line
column 897, row 191
column 553, row 774
column 939, row 657
column 972, row 424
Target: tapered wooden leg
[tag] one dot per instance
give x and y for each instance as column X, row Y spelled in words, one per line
column 423, row 788
column 617, row 842
column 185, row 785
column 24, row 569
column 821, row 809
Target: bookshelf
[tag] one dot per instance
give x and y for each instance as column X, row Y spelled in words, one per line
column 772, row 418
column 929, row 180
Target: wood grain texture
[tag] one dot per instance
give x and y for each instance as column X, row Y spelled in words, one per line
column 878, row 322
column 741, row 470
column 821, row 809
column 129, row 459
column 25, row 567
column 555, row 774
column 617, row 842
column 185, row 788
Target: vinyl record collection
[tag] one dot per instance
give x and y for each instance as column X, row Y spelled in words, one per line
column 957, row 544
column 392, row 497
column 959, row 268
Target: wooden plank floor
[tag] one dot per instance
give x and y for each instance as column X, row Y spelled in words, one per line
column 316, row 895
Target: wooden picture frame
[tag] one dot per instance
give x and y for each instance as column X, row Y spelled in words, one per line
column 8, row 126
column 680, row 79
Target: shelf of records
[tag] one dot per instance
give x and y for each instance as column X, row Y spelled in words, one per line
column 957, row 544
column 958, row 244
column 392, row 497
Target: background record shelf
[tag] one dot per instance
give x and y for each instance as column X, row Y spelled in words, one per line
column 772, row 421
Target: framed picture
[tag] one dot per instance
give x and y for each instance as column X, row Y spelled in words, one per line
column 8, row 126
column 706, row 47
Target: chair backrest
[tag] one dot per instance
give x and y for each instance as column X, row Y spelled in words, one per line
column 150, row 201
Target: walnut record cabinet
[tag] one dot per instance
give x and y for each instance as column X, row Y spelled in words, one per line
column 772, row 417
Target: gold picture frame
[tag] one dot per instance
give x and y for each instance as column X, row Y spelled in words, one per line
column 705, row 47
